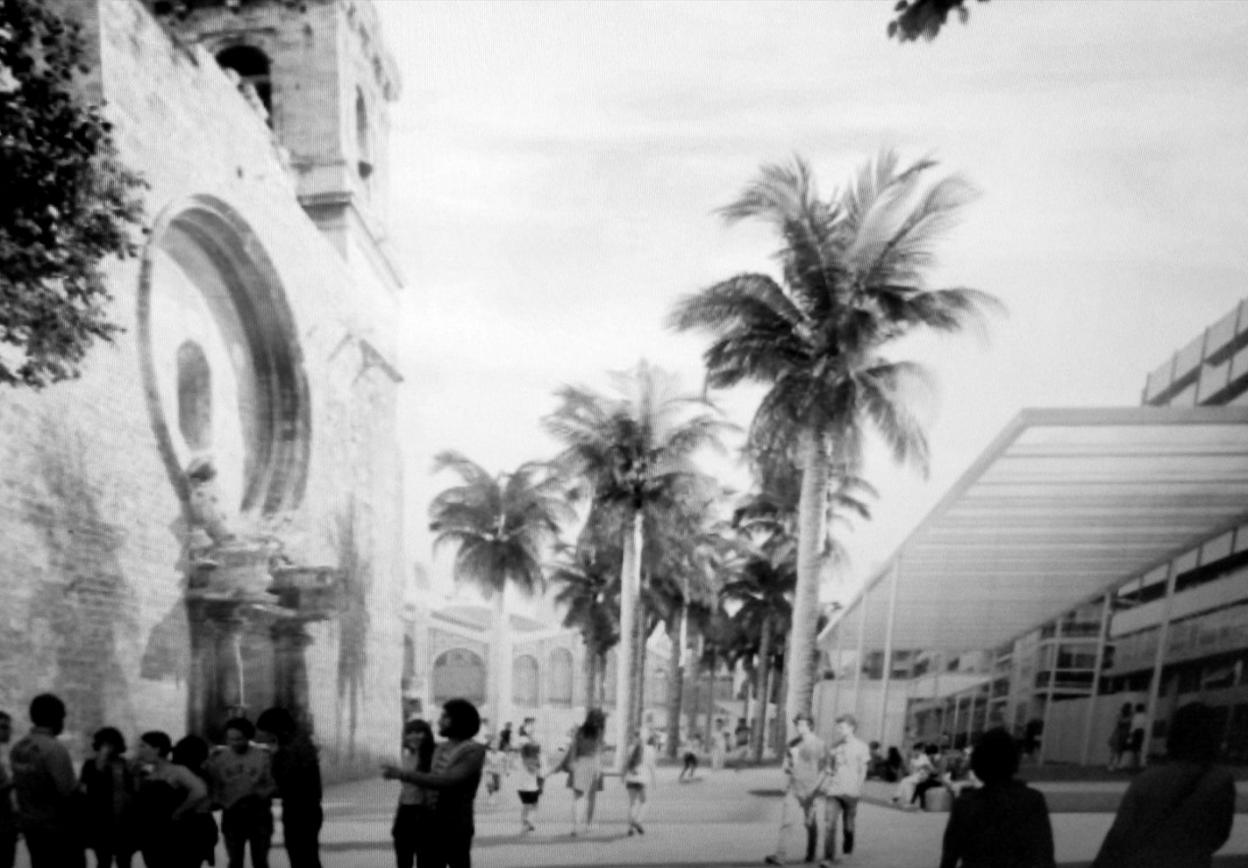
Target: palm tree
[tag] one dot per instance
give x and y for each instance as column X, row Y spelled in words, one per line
column 588, row 581
column 686, row 551
column 851, row 281
column 635, row 451
column 501, row 526
column 762, row 589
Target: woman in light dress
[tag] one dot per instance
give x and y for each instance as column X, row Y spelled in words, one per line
column 583, row 763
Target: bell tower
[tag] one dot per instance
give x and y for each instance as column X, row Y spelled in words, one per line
column 319, row 74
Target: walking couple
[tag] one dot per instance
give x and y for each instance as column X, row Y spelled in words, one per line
column 824, row 786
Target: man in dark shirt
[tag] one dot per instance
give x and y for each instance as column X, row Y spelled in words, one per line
column 1005, row 823
column 297, row 774
column 8, row 822
column 44, row 782
column 455, row 775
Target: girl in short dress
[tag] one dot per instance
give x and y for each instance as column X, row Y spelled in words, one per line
column 639, row 774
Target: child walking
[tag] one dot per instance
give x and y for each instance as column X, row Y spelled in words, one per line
column 529, row 782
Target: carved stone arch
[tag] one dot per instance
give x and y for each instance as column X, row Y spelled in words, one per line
column 206, row 279
column 458, row 673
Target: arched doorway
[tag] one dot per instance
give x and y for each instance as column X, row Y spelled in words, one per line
column 559, row 678
column 524, row 681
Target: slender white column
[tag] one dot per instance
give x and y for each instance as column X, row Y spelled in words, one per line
column 1159, row 659
column 862, row 639
column 1045, row 731
column 888, row 648
column 1085, row 750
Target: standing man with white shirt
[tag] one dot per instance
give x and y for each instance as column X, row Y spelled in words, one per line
column 850, row 760
column 806, row 764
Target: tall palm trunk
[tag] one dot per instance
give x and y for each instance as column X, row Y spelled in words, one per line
column 639, row 676
column 762, row 675
column 500, row 666
column 630, row 582
column 591, row 677
column 710, row 700
column 675, row 687
column 811, row 510
column 781, row 702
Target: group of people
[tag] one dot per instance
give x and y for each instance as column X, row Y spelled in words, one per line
column 1126, row 741
column 159, row 802
column 1173, row 815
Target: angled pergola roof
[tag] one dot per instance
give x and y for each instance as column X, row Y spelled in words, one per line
column 1063, row 505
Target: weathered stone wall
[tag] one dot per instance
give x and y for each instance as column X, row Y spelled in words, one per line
column 90, row 523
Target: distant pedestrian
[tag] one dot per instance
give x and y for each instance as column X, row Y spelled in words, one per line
column 583, row 763
column 638, row 776
column 45, row 785
column 197, row 829
column 504, row 738
column 1177, row 814
column 108, row 786
column 719, row 747
column 894, row 765
column 167, row 795
column 742, row 749
column 690, row 758
column 413, row 830
column 1004, row 823
column 850, row 760
column 1135, row 747
column 806, row 765
column 8, row 820
column 454, row 775
column 296, row 770
column 242, row 785
column 493, row 771
column 1120, row 738
column 529, row 780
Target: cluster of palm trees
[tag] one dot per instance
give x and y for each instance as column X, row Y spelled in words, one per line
column 662, row 543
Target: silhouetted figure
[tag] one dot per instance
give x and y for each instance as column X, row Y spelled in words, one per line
column 455, row 775
column 1177, row 814
column 894, row 766
column 1120, row 738
column 167, row 795
column 108, row 786
column 297, row 774
column 44, row 783
column 242, row 784
column 1004, row 823
column 8, row 821
column 197, row 830
column 414, row 830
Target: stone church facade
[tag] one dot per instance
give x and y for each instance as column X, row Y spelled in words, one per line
column 209, row 521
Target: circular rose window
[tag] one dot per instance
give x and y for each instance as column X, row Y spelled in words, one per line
column 221, row 361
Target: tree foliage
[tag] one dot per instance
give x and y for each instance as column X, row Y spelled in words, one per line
column 66, row 202
column 925, row 18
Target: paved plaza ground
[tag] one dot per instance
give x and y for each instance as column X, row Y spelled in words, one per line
column 723, row 818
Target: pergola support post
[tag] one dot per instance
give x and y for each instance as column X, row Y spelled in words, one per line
column 1089, row 717
column 862, row 639
column 888, row 648
column 1045, row 731
column 1159, row 659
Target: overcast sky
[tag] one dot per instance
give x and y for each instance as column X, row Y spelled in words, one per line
column 556, row 166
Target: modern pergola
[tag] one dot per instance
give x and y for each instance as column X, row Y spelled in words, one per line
column 1064, row 506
